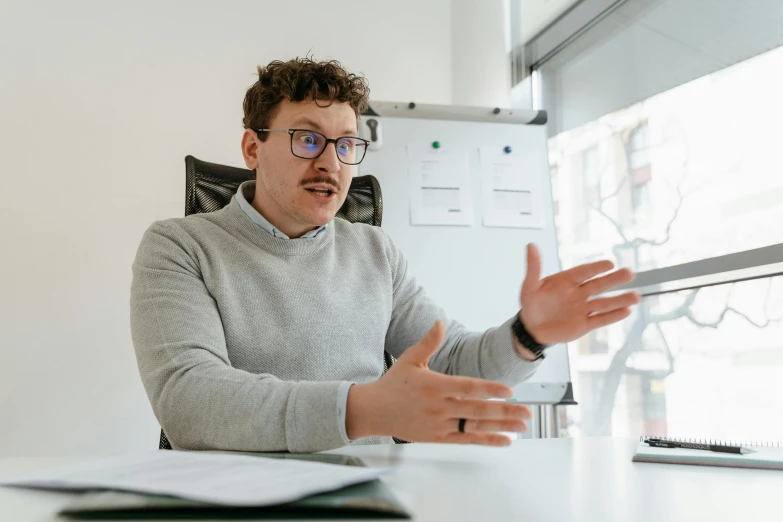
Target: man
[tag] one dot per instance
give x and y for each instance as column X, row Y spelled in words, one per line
column 262, row 326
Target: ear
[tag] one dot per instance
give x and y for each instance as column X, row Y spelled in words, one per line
column 250, row 148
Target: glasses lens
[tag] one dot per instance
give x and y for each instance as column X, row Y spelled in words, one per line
column 307, row 144
column 351, row 150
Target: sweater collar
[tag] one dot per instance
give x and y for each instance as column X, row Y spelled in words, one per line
column 245, row 194
column 260, row 237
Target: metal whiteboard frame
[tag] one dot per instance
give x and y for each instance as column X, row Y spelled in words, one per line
column 392, row 109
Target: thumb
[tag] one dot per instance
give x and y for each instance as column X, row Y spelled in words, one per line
column 419, row 354
column 533, row 276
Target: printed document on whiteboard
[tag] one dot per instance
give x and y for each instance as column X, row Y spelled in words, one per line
column 511, row 189
column 439, row 186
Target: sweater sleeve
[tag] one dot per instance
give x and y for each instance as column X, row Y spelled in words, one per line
column 200, row 400
column 487, row 355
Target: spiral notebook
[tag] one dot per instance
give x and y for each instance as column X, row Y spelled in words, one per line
column 765, row 455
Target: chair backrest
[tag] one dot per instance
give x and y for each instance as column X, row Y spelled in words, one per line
column 210, row 187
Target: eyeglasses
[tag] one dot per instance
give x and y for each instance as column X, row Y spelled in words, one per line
column 308, row 144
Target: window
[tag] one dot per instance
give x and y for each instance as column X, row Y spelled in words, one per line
column 639, row 171
column 591, row 184
column 684, row 190
column 553, row 174
column 706, row 186
column 632, row 50
column 591, row 174
column 597, row 341
column 704, row 363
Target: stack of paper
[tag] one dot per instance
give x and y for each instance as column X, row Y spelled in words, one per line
column 225, row 479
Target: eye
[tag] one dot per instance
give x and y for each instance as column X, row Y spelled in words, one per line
column 345, row 146
column 307, row 139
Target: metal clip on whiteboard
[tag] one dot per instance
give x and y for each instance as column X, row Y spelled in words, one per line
column 370, row 130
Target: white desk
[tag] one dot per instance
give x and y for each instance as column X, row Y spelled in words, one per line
column 585, row 480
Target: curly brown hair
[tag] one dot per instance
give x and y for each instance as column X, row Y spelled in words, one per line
column 298, row 80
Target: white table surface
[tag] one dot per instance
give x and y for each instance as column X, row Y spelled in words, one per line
column 586, row 480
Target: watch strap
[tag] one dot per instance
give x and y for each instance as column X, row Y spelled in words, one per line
column 526, row 339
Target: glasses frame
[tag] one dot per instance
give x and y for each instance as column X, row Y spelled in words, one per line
column 326, row 143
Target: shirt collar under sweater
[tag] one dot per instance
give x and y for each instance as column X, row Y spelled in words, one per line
column 245, row 194
column 234, row 217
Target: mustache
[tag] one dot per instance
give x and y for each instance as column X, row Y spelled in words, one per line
column 320, row 179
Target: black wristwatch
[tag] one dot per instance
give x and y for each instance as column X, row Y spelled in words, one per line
column 526, row 340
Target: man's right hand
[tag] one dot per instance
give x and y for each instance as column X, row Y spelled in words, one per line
column 413, row 403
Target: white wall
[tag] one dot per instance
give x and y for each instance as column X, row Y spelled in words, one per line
column 99, row 104
column 480, row 67
column 536, row 15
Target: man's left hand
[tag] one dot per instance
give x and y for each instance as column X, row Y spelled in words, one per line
column 561, row 308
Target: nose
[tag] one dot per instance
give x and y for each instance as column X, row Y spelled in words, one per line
column 327, row 162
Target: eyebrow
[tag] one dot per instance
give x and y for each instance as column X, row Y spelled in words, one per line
column 307, row 121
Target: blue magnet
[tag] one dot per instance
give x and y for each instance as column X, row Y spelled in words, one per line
column 507, row 149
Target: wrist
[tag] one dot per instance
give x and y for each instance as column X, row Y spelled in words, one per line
column 522, row 351
column 526, row 341
column 363, row 417
column 533, row 330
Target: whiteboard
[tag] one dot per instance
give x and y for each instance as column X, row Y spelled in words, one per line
column 474, row 272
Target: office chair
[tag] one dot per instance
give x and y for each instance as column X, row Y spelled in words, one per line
column 210, row 187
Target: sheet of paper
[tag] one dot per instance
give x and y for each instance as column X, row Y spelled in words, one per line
column 226, row 479
column 511, row 189
column 439, row 182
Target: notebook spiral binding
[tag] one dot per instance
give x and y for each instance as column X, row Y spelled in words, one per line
column 716, row 442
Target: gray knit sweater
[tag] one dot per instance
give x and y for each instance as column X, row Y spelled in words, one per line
column 244, row 340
